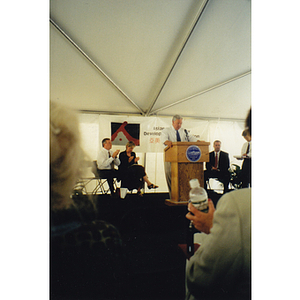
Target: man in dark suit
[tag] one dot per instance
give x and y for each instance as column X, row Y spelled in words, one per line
column 218, row 166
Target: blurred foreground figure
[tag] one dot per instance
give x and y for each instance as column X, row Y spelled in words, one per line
column 85, row 254
column 221, row 267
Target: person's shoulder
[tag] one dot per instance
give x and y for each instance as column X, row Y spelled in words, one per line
column 236, row 198
column 224, row 153
column 90, row 234
column 240, row 193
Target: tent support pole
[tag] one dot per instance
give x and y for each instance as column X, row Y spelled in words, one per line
column 202, row 92
column 96, row 66
column 184, row 42
column 112, row 113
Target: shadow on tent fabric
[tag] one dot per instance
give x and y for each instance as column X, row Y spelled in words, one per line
column 156, row 265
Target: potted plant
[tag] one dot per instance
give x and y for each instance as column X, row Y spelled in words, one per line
column 235, row 178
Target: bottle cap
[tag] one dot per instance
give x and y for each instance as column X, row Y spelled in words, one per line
column 194, row 183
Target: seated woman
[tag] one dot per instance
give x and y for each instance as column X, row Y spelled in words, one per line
column 133, row 175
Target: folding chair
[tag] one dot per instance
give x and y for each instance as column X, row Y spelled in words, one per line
column 100, row 181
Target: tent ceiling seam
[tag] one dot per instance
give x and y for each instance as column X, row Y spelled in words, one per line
column 90, row 111
column 83, row 111
column 185, row 41
column 202, row 92
column 205, row 118
column 96, row 66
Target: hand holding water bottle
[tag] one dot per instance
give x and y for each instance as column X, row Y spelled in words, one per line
column 202, row 221
column 201, row 208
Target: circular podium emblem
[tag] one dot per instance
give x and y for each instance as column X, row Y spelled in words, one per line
column 193, row 153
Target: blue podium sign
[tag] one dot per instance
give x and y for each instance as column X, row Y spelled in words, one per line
column 193, row 153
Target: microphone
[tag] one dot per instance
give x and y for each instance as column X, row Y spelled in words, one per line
column 187, row 136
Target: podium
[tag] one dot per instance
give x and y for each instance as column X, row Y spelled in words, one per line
column 186, row 160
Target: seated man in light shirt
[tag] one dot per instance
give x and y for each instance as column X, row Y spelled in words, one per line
column 173, row 134
column 106, row 160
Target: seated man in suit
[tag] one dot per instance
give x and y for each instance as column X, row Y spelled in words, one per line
column 106, row 160
column 217, row 167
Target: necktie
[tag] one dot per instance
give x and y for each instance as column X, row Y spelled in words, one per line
column 216, row 160
column 178, row 136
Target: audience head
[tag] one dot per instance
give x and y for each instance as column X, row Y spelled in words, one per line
column 248, row 122
column 130, row 146
column 177, row 122
column 66, row 155
column 217, row 145
column 246, row 135
column 106, row 143
column 247, row 132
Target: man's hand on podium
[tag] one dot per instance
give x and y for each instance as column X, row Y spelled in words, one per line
column 168, row 143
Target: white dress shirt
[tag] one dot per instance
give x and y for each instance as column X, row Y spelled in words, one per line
column 104, row 159
column 244, row 149
column 169, row 134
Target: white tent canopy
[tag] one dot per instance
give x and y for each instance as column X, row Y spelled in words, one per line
column 150, row 57
column 147, row 60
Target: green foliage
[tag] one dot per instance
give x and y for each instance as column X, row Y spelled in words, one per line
column 235, row 178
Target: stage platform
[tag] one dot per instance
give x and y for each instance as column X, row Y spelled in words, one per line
column 151, row 232
column 114, row 209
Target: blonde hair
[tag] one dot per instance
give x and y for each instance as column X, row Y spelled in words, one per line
column 130, row 144
column 66, row 155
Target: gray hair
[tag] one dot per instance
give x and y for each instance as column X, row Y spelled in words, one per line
column 176, row 117
column 65, row 155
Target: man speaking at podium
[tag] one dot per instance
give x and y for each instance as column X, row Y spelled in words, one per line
column 173, row 134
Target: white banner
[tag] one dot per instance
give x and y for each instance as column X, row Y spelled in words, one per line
column 94, row 128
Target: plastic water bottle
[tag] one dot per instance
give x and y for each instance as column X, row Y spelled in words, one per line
column 198, row 197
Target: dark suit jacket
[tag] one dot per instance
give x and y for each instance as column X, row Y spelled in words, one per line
column 223, row 161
